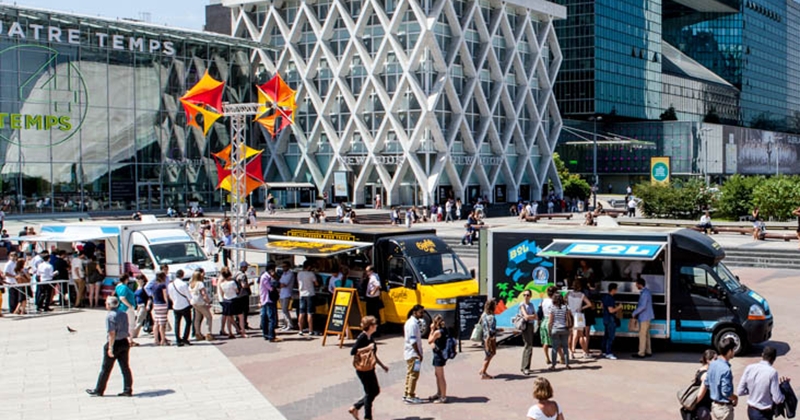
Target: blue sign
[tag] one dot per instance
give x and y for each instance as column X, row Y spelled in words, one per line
column 640, row 250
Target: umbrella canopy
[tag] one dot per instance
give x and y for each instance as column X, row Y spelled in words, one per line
column 204, row 98
column 278, row 105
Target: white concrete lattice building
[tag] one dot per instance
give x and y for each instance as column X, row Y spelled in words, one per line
column 416, row 100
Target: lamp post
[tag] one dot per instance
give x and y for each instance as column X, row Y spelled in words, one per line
column 596, row 185
column 705, row 154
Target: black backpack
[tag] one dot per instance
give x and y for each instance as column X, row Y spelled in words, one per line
column 275, row 292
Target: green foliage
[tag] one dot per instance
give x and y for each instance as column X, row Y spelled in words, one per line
column 572, row 184
column 736, row 197
column 711, row 116
column 777, row 196
column 678, row 200
column 669, row 115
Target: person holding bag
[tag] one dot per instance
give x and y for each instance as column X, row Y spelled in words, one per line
column 702, row 406
column 528, row 313
column 490, row 331
column 577, row 303
column 560, row 323
column 365, row 357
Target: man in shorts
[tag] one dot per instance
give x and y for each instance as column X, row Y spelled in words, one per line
column 306, row 282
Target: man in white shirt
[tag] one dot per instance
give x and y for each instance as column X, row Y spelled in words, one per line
column 631, row 207
column 373, row 294
column 180, row 296
column 412, row 352
column 10, row 277
column 340, row 212
column 306, row 282
column 44, row 273
column 287, row 285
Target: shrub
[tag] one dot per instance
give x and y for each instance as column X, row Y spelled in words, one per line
column 777, row 196
column 736, row 197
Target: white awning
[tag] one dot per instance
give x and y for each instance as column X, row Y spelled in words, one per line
column 56, row 237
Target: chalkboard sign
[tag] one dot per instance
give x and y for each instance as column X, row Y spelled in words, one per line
column 344, row 314
column 468, row 312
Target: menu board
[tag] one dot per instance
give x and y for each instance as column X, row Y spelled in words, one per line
column 344, row 315
column 468, row 313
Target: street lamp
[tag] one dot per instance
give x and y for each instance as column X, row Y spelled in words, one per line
column 596, row 185
column 705, row 154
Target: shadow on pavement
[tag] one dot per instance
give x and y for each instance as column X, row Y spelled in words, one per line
column 416, row 418
column 511, row 377
column 154, row 393
column 466, row 400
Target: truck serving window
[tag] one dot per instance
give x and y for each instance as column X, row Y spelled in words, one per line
column 440, row 268
column 177, row 253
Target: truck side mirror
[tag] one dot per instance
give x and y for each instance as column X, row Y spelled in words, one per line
column 409, row 283
column 472, row 273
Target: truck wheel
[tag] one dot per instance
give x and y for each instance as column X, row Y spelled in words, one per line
column 735, row 335
column 425, row 327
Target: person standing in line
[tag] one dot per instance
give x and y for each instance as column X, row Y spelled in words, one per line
column 10, row 277
column 201, row 303
column 95, row 277
column 44, row 292
column 490, row 330
column 528, row 311
column 241, row 305
column 268, row 292
column 438, row 340
column 558, row 323
column 702, row 409
column 178, row 292
column 287, row 284
column 61, row 272
column 577, row 302
column 160, row 309
column 142, row 303
column 544, row 409
column 127, row 303
column 78, row 264
column 306, row 284
column 22, row 292
column 227, row 291
column 719, row 381
column 117, row 348
column 761, row 382
column 374, row 303
column 368, row 379
column 412, row 352
column 610, row 309
column 644, row 314
column 544, row 327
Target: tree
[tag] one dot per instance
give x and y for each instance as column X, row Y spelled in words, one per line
column 777, row 196
column 678, row 200
column 711, row 116
column 736, row 196
column 669, row 115
column 572, row 184
column 764, row 121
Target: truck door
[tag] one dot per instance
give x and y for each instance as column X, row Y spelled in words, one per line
column 698, row 304
column 141, row 258
column 403, row 293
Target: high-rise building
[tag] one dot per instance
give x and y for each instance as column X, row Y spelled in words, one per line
column 413, row 100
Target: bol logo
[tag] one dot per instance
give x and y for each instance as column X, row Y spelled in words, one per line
column 51, row 100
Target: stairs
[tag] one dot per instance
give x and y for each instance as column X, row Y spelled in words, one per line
column 773, row 258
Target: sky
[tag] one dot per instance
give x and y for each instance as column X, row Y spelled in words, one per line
column 177, row 13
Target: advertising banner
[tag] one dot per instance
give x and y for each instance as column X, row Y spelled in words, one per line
column 659, row 170
column 760, row 152
column 340, row 184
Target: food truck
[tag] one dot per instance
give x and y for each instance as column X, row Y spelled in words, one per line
column 415, row 266
column 696, row 299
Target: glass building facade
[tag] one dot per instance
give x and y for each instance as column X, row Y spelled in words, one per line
column 90, row 118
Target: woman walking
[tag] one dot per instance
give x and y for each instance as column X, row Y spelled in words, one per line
column 702, row 411
column 527, row 310
column 544, row 327
column 490, row 331
column 229, row 291
column 559, row 329
column 368, row 378
column 201, row 303
column 438, row 340
column 544, row 409
column 160, row 309
column 577, row 302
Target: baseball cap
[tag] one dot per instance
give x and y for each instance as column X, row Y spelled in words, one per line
column 244, row 264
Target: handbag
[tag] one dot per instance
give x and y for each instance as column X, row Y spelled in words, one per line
column 364, row 360
column 633, row 325
column 570, row 320
column 579, row 320
column 687, row 397
column 477, row 331
column 519, row 321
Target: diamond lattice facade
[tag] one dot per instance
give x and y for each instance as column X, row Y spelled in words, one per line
column 415, row 100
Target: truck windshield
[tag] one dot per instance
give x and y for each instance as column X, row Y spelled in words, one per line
column 727, row 278
column 440, row 268
column 177, row 253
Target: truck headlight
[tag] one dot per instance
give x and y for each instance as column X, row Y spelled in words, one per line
column 451, row 301
column 756, row 313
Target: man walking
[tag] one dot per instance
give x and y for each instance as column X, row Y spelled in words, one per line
column 760, row 381
column 719, row 382
column 412, row 351
column 269, row 292
column 116, row 348
column 644, row 314
column 179, row 293
column 610, row 309
column 448, row 208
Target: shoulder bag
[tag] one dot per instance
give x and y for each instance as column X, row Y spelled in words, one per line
column 364, row 360
column 477, row 331
column 687, row 396
column 570, row 319
column 519, row 320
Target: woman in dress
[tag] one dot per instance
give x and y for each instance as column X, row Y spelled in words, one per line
column 368, row 379
column 577, row 302
column 490, row 331
column 544, row 327
column 94, row 276
column 160, row 309
column 559, row 331
column 201, row 303
column 702, row 411
column 528, row 311
column 21, row 277
column 544, row 409
column 438, row 340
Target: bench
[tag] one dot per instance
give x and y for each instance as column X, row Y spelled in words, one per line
column 550, row 216
column 530, row 219
column 785, row 236
column 734, row 229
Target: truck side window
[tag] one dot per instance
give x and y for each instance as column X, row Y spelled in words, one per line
column 699, row 281
column 399, row 270
column 141, row 258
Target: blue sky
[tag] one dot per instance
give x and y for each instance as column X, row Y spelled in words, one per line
column 179, row 13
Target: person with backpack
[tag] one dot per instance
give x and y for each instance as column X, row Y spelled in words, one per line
column 269, row 294
column 444, row 348
column 702, row 406
column 361, row 350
